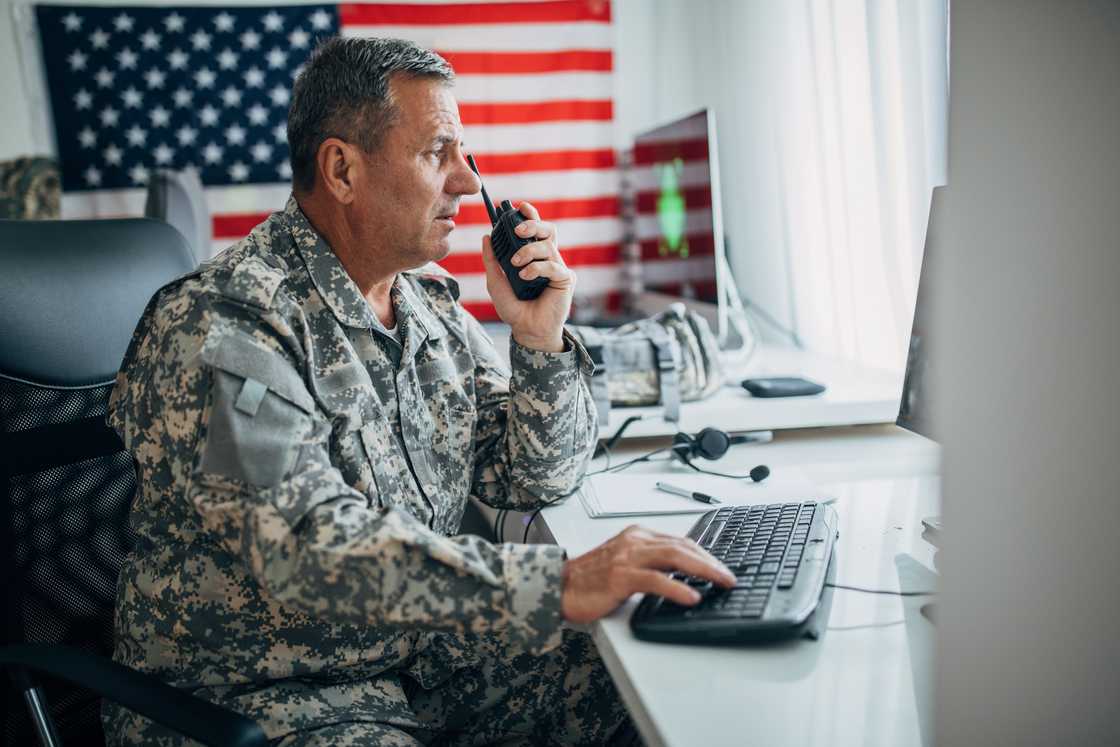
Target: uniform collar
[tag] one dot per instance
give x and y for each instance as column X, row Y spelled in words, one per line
column 410, row 304
column 341, row 293
column 338, row 289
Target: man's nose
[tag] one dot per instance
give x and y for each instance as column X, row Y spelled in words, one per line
column 463, row 181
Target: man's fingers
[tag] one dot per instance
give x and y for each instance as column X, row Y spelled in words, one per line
column 530, row 212
column 652, row 582
column 537, row 229
column 536, row 250
column 557, row 273
column 677, row 558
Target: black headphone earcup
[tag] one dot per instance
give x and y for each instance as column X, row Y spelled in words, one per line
column 712, row 443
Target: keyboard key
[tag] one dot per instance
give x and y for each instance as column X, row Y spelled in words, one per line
column 769, row 567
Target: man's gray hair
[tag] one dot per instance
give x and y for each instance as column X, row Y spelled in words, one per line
column 343, row 92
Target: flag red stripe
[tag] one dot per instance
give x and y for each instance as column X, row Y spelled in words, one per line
column 545, row 160
column 526, row 63
column 562, row 110
column 591, row 207
column 687, row 150
column 574, row 256
column 235, row 225
column 694, row 197
column 698, row 245
column 413, row 14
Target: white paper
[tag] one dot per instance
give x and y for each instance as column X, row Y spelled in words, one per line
column 636, row 494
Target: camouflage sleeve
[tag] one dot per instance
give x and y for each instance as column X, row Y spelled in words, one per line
column 536, row 425
column 239, row 428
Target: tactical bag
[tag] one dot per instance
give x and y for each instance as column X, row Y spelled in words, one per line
column 671, row 357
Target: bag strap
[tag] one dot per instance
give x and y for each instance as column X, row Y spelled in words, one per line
column 593, row 341
column 666, row 368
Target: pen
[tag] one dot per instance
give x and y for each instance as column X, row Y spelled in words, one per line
column 702, row 497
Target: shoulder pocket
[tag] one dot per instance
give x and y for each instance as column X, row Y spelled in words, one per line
column 260, row 411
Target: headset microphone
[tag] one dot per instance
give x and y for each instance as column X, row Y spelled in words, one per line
column 760, row 473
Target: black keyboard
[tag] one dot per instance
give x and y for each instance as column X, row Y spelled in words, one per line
column 779, row 554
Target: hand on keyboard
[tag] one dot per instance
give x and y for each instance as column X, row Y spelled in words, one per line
column 634, row 562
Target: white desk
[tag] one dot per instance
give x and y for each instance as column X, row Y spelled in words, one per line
column 867, row 681
column 855, row 395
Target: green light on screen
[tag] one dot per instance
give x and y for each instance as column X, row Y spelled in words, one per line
column 671, row 211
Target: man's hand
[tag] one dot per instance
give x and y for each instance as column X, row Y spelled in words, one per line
column 632, row 562
column 536, row 324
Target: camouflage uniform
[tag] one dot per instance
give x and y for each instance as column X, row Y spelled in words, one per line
column 30, row 189
column 302, row 474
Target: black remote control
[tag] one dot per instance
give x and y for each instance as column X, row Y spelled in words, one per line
column 506, row 243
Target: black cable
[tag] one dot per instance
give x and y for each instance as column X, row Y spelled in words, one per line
column 537, row 512
column 884, row 591
column 610, row 442
column 636, row 460
column 717, row 474
column 499, row 524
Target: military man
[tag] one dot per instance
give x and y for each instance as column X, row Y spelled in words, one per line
column 309, row 414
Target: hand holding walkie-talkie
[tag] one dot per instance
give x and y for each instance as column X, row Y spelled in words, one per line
column 506, row 242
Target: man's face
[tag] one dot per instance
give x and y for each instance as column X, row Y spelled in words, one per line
column 411, row 186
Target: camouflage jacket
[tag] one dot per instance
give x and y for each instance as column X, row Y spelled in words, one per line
column 303, row 473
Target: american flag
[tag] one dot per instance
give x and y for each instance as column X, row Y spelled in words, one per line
column 134, row 89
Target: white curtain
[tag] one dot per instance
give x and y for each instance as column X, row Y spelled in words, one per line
column 832, row 121
column 860, row 141
column 856, row 96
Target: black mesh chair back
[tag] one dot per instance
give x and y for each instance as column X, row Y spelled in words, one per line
column 71, row 293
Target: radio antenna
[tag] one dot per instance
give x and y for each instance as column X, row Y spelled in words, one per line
column 485, row 197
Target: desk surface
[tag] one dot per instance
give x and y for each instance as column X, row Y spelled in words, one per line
column 868, row 680
column 855, row 395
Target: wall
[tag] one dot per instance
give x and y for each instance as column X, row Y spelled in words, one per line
column 673, row 57
column 1025, row 316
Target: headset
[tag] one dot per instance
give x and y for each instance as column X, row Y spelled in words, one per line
column 711, row 444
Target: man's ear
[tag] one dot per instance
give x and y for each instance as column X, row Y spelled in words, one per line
column 337, row 162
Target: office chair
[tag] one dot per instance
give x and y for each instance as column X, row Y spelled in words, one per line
column 177, row 197
column 71, row 293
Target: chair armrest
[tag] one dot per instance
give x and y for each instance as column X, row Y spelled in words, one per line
column 143, row 693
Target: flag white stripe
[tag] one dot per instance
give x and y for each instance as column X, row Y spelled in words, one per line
column 497, row 37
column 517, row 138
column 535, row 87
column 550, row 185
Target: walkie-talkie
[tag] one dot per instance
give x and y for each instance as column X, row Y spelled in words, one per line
column 506, row 243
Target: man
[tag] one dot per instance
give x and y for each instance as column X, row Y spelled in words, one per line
column 309, row 415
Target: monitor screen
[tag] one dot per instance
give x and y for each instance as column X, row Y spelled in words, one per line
column 914, row 410
column 677, row 209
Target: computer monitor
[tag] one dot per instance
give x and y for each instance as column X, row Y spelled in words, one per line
column 678, row 222
column 914, row 411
